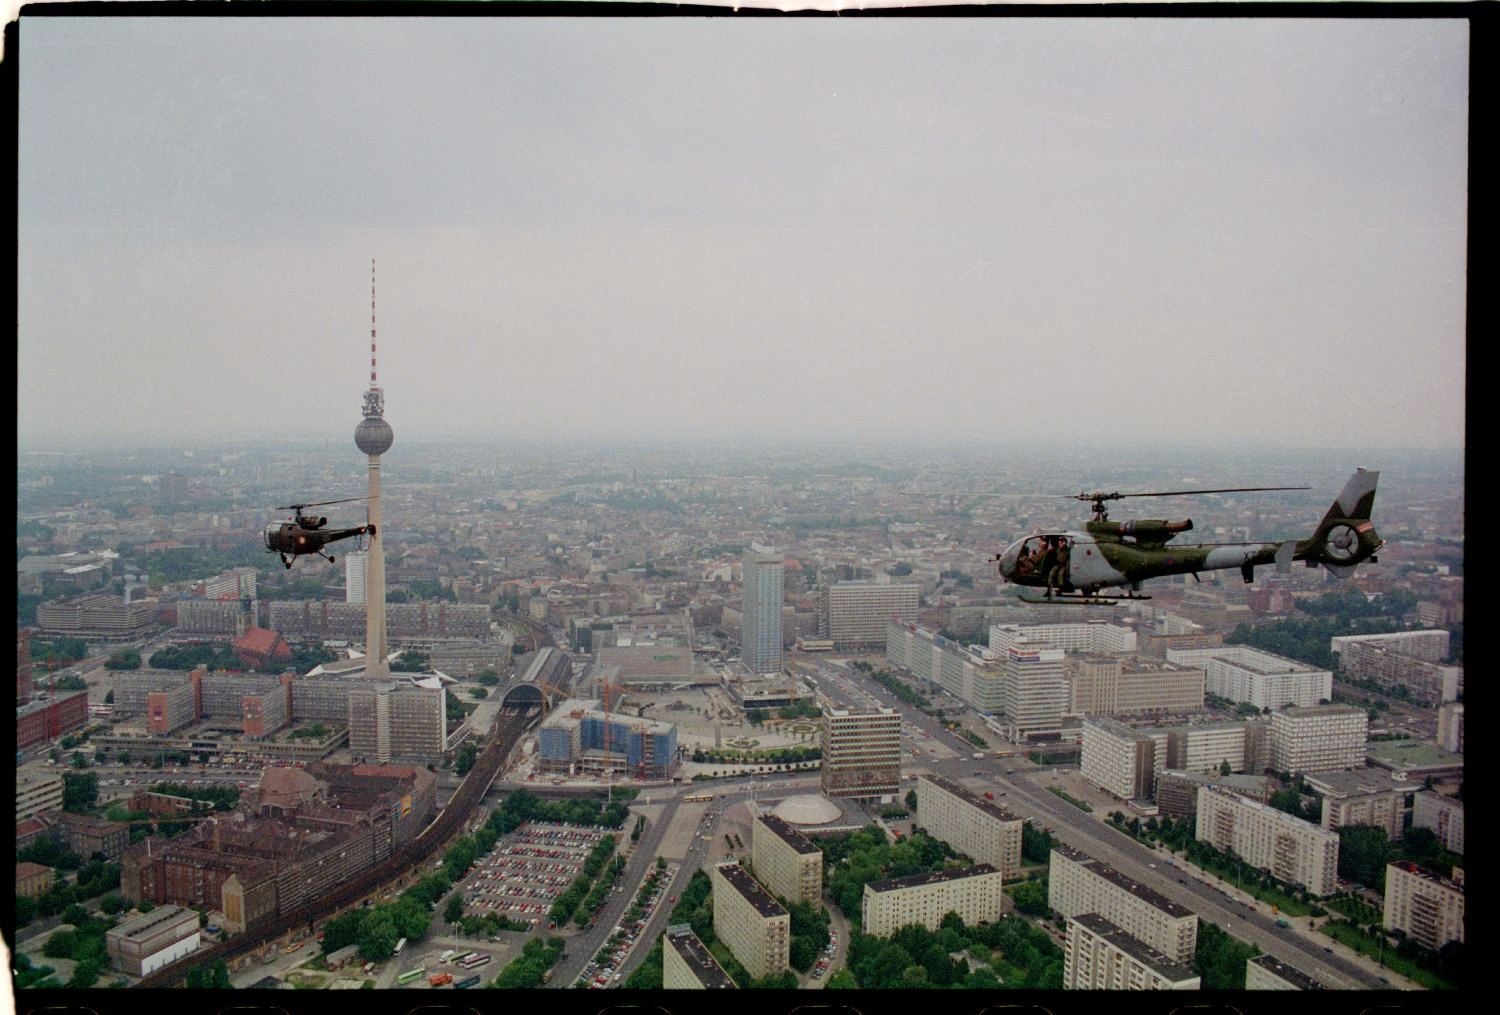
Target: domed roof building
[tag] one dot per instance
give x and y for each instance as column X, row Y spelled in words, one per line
column 808, row 809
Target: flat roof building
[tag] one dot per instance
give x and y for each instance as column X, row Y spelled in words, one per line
column 1248, row 676
column 1366, row 797
column 1319, row 738
column 755, row 928
column 978, row 828
column 1119, row 760
column 968, row 673
column 786, row 861
column 855, row 615
column 1295, row 851
column 1033, row 689
column 1425, row 906
column 1078, row 884
column 1444, row 816
column 687, row 964
column 861, row 752
column 1097, row 955
column 1264, row 972
column 1102, row 685
column 974, row 893
column 149, row 942
column 37, row 792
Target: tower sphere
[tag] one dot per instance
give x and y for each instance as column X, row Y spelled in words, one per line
column 374, row 436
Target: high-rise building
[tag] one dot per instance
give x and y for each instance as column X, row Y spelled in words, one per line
column 1119, row 760
column 1319, row 738
column 687, row 964
column 1097, row 955
column 1033, row 689
column 976, row 827
column 974, row 893
column 854, row 615
column 1248, row 676
column 374, row 437
column 1077, row 884
column 969, row 673
column 760, row 628
column 755, row 928
column 786, row 861
column 861, row 752
column 354, row 576
column 1264, row 972
column 1450, row 727
column 1444, row 816
column 1295, row 851
column 399, row 719
column 1427, row 907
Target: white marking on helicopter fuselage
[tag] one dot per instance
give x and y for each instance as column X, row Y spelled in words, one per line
column 1234, row 556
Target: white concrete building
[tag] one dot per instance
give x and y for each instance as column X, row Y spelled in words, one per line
column 974, row 893
column 1098, row 636
column 969, row 673
column 1319, row 738
column 1443, row 815
column 1426, row 907
column 755, row 928
column 786, row 861
column 1078, row 884
column 856, row 615
column 978, row 828
column 1250, row 676
column 1295, row 851
column 1264, row 972
column 1117, row 759
column 1033, row 689
column 1097, row 955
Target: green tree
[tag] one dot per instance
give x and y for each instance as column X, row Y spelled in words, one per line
column 128, row 659
column 1363, row 855
column 454, row 910
column 377, row 936
column 467, row 755
column 1224, row 768
column 911, row 800
column 80, row 791
column 1031, row 897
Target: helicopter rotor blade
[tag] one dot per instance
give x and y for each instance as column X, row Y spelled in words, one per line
column 321, row 503
column 1180, row 493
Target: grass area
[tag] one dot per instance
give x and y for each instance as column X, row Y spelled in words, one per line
column 1071, row 799
column 1361, row 942
column 1250, row 884
column 1357, row 910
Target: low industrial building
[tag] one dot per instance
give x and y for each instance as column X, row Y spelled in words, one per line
column 974, row 893
column 149, row 942
column 1097, row 955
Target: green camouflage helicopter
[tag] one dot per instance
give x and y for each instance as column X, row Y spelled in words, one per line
column 1074, row 566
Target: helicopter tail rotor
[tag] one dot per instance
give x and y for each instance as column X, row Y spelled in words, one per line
column 1346, row 536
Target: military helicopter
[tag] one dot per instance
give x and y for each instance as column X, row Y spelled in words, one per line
column 306, row 534
column 1074, row 566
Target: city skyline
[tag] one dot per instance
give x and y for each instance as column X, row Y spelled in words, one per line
column 1059, row 232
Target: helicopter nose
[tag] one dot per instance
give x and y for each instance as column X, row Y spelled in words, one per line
column 1008, row 559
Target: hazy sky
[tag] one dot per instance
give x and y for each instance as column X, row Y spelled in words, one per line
column 1227, row 230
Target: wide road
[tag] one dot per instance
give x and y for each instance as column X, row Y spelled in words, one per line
column 951, row 756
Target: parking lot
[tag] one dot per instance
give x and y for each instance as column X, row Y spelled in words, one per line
column 524, row 876
column 607, row 966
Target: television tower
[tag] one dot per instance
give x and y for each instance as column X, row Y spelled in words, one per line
column 374, row 437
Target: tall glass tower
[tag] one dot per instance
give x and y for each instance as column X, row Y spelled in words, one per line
column 760, row 629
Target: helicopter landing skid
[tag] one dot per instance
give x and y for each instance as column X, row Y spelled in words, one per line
column 1079, row 599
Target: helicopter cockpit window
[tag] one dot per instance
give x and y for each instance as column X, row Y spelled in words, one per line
column 1039, row 554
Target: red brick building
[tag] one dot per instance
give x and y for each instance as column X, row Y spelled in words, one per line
column 40, row 721
column 259, row 648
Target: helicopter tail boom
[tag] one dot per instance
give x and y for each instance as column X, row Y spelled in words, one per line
column 1345, row 536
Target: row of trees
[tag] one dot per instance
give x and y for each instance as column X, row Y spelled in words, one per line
column 772, row 756
column 566, row 904
column 899, row 688
column 529, row 969
column 95, row 878
column 523, row 805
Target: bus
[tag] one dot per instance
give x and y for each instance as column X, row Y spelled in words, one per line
column 456, row 959
column 467, row 982
column 697, row 798
column 475, row 961
column 399, row 945
column 412, row 974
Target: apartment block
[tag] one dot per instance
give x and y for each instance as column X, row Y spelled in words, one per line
column 1033, row 688
column 1429, row 646
column 1205, row 747
column 1263, row 972
column 974, row 893
column 1450, row 728
column 403, row 719
column 855, row 615
column 687, row 964
column 1250, row 676
column 755, row 928
column 972, row 674
column 1097, row 955
column 1443, row 815
column 1319, row 738
column 786, row 861
column 1177, row 790
column 1366, row 797
column 37, row 792
column 1119, row 760
column 1096, row 636
column 1427, row 907
column 1427, row 683
column 1101, row 685
column 978, row 828
column 861, row 752
column 1296, row 851
column 1079, row 884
